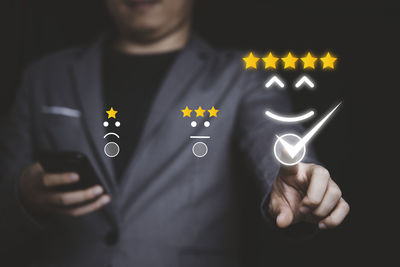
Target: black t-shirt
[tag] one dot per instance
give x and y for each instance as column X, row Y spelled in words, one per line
column 130, row 83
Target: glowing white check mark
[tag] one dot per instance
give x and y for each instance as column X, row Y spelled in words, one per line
column 293, row 150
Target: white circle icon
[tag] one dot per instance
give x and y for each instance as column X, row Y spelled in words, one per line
column 286, row 151
column 199, row 149
column 111, row 149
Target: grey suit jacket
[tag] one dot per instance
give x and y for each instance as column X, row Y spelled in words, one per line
column 170, row 208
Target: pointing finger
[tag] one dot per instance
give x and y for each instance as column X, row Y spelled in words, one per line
column 286, row 170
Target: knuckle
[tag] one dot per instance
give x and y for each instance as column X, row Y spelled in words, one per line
column 313, row 201
column 324, row 172
column 313, row 165
column 321, row 171
column 335, row 191
column 302, row 179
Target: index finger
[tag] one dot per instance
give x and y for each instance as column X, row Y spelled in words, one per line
column 289, row 170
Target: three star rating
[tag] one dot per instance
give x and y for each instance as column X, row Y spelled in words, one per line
column 309, row 61
column 200, row 112
column 200, row 149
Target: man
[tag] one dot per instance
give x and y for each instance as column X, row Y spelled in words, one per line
column 163, row 206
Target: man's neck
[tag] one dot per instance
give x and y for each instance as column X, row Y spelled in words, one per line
column 171, row 42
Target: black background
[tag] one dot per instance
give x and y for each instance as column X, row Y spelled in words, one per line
column 363, row 38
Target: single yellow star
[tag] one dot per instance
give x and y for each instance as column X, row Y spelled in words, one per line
column 200, row 112
column 251, row 61
column 213, row 112
column 328, row 61
column 111, row 113
column 309, row 61
column 290, row 61
column 186, row 112
column 270, row 61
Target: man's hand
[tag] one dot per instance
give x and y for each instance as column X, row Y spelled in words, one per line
column 39, row 197
column 306, row 192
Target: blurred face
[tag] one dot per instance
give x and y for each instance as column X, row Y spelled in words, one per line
column 147, row 20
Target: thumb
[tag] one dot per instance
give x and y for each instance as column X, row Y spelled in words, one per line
column 285, row 216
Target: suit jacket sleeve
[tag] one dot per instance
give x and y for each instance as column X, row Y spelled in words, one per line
column 16, row 148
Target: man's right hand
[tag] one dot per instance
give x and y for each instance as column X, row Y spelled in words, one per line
column 40, row 198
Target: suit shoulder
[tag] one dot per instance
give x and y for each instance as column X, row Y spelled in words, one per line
column 231, row 61
column 54, row 61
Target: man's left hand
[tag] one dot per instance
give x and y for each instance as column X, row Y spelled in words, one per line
column 307, row 193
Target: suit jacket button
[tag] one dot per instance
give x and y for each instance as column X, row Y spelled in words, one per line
column 112, row 237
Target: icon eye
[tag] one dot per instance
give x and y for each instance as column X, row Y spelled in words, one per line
column 105, row 124
column 117, row 124
column 206, row 124
column 194, row 124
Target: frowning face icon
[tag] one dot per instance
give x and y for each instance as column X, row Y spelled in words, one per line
column 200, row 148
column 111, row 149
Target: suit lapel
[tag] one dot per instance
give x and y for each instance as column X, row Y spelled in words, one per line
column 87, row 76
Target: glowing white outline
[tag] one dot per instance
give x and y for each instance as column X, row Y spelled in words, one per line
column 276, row 80
column 204, row 153
column 303, row 80
column 105, row 152
column 111, row 134
column 302, row 117
column 200, row 136
column 293, row 150
column 279, row 140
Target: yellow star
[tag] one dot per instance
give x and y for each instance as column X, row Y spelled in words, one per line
column 290, row 61
column 309, row 61
column 270, row 61
column 213, row 112
column 251, row 61
column 186, row 112
column 200, row 112
column 111, row 113
column 328, row 61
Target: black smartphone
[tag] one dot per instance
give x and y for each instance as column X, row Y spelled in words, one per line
column 66, row 161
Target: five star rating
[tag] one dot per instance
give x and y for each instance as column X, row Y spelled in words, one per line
column 290, row 62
